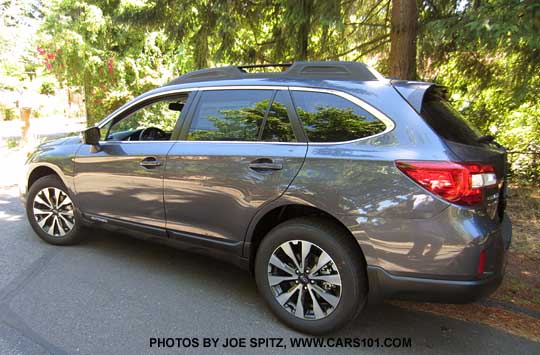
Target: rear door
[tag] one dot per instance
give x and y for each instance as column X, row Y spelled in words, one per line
column 240, row 150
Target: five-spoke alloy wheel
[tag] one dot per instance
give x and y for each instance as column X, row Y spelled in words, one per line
column 311, row 274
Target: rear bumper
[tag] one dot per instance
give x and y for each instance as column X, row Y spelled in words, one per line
column 384, row 285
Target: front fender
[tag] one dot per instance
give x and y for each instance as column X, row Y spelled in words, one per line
column 55, row 158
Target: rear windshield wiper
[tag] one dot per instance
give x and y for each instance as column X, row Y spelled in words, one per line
column 487, row 139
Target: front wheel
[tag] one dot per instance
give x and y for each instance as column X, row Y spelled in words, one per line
column 311, row 274
column 52, row 213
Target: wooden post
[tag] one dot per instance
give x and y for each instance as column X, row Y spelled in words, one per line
column 25, row 118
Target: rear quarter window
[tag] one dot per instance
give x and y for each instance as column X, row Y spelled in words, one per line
column 446, row 121
column 331, row 118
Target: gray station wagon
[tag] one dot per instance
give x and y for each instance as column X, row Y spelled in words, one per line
column 330, row 183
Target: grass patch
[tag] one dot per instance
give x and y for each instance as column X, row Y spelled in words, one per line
column 12, row 143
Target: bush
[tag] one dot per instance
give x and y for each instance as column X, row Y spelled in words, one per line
column 47, row 88
column 8, row 112
column 12, row 143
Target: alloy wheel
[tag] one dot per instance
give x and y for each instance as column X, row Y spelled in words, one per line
column 304, row 279
column 54, row 211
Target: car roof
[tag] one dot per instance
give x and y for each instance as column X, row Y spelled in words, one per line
column 329, row 70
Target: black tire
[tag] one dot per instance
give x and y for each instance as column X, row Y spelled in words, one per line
column 346, row 256
column 73, row 236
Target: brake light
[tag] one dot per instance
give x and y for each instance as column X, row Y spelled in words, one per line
column 459, row 183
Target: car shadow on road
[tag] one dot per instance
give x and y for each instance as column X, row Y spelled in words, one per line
column 114, row 280
column 216, row 277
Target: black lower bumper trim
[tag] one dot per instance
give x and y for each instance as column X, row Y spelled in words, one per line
column 383, row 285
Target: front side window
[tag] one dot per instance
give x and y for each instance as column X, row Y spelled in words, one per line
column 230, row 115
column 154, row 121
column 331, row 118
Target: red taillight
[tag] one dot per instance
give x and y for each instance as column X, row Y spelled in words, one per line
column 481, row 263
column 458, row 183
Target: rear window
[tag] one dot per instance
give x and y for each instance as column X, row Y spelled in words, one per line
column 446, row 121
column 229, row 115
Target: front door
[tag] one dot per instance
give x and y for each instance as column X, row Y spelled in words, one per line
column 241, row 151
column 122, row 179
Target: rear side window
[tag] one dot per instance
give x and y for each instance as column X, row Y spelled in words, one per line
column 230, row 115
column 331, row 118
column 446, row 121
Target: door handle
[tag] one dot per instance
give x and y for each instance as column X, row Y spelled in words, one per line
column 265, row 164
column 150, row 163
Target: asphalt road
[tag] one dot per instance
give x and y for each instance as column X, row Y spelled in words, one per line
column 113, row 293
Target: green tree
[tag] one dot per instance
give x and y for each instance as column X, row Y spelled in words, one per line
column 19, row 21
column 86, row 47
column 485, row 51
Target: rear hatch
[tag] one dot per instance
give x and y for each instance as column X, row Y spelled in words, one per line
column 467, row 144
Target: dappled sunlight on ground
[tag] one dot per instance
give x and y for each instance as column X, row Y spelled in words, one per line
column 8, row 196
column 9, row 217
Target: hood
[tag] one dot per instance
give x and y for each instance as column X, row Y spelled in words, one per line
column 75, row 139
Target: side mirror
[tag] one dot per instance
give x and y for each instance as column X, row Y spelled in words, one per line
column 91, row 136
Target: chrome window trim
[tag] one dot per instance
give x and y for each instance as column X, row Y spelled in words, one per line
column 246, row 87
column 235, row 142
column 245, row 142
column 128, row 142
column 390, row 125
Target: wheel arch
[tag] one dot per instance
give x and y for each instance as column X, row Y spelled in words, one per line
column 272, row 217
column 39, row 172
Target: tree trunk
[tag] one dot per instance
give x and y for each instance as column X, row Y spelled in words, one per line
column 404, row 26
column 200, row 56
column 304, row 29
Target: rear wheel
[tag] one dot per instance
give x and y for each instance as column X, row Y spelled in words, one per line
column 311, row 275
column 52, row 213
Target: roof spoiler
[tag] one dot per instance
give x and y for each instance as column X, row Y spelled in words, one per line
column 414, row 91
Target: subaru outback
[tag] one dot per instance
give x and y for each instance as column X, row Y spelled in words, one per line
column 331, row 184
